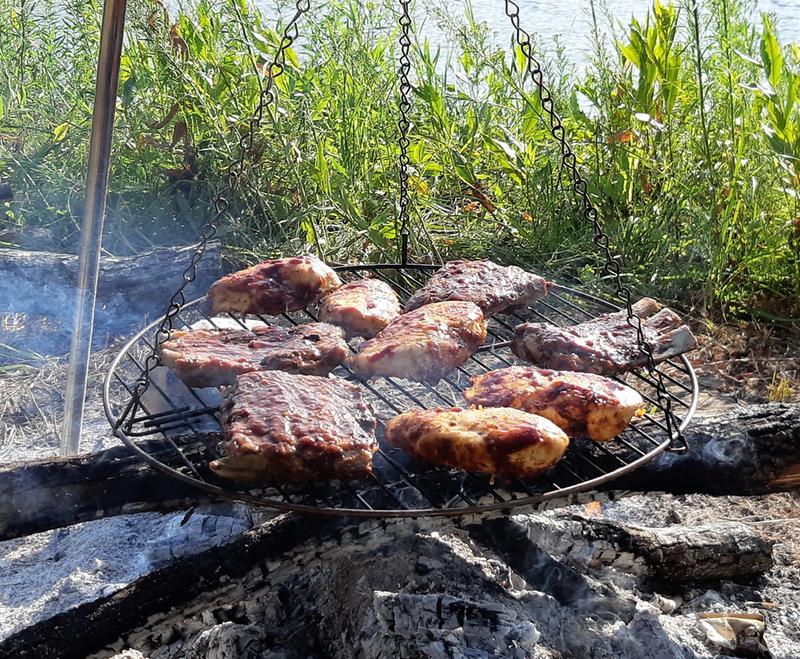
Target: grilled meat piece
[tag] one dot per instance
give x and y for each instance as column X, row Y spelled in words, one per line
column 578, row 403
column 497, row 440
column 606, row 344
column 273, row 287
column 210, row 358
column 492, row 287
column 291, row 427
column 424, row 344
column 362, row 308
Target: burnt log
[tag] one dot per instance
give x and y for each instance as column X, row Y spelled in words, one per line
column 677, row 553
column 86, row 628
column 753, row 449
column 750, row 450
column 46, row 494
column 42, row 283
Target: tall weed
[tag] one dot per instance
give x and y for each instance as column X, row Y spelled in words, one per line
column 686, row 123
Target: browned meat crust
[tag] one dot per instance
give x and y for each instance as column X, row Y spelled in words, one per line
column 295, row 428
column 495, row 440
column 604, row 345
column 578, row 403
column 424, row 344
column 492, row 287
column 210, row 358
column 273, row 287
column 362, row 308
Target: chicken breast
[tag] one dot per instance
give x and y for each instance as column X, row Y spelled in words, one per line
column 578, row 403
column 362, row 308
column 424, row 344
column 295, row 428
column 494, row 288
column 211, row 358
column 273, row 287
column 497, row 440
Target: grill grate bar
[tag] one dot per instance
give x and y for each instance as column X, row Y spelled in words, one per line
column 571, row 304
column 186, row 462
column 166, row 398
column 572, row 320
column 407, row 479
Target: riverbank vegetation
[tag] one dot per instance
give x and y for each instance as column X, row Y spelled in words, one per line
column 687, row 126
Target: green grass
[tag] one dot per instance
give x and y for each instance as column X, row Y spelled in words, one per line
column 687, row 125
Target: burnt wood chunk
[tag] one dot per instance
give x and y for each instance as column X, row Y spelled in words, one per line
column 88, row 627
column 46, row 494
column 677, row 553
column 129, row 286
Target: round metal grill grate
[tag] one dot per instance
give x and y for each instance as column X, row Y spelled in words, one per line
column 181, row 428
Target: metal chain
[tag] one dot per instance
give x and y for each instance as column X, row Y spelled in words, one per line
column 601, row 239
column 404, row 124
column 221, row 202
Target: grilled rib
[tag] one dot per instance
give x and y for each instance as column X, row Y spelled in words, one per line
column 295, row 428
column 492, row 287
column 273, row 287
column 362, row 308
column 498, row 440
column 605, row 345
column 424, row 344
column 211, row 358
column 578, row 403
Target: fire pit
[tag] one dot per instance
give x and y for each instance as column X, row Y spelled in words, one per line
column 399, row 486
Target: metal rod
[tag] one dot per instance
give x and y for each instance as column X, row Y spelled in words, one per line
column 105, row 99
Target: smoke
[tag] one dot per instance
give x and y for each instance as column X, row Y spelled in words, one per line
column 38, row 295
column 726, row 451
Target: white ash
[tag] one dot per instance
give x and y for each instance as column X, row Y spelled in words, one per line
column 50, row 572
column 430, row 589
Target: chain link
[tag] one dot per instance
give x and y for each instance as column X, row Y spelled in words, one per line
column 404, row 124
column 601, row 239
column 221, row 202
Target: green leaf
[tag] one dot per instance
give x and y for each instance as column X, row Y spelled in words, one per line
column 2, row 108
column 60, row 132
column 462, row 169
column 321, row 164
column 771, row 55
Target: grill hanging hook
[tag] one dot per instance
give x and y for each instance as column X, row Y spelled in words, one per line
column 404, row 124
